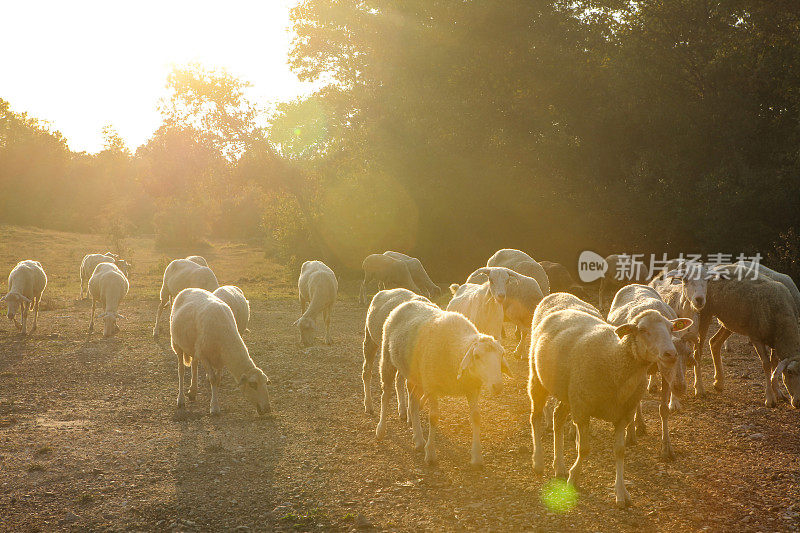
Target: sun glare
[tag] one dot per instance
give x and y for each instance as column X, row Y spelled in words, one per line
column 84, row 64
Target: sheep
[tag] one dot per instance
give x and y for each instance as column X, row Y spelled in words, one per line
column 560, row 280
column 379, row 308
column 763, row 310
column 521, row 262
column 518, row 294
column 595, row 370
column 619, row 274
column 390, row 273
column 199, row 259
column 90, row 261
column 418, row 273
column 476, row 302
column 26, row 283
column 182, row 274
column 628, row 303
column 318, row 288
column 203, row 329
column 108, row 285
column 234, row 297
column 439, row 353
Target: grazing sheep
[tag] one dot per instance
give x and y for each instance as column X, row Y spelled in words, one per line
column 203, row 329
column 595, row 370
column 90, row 261
column 477, row 304
column 382, row 304
column 26, row 283
column 632, row 270
column 418, row 273
column 561, row 281
column 763, row 310
column 629, row 302
column 234, row 297
column 518, row 294
column 439, row 353
column 199, row 259
column 318, row 288
column 521, row 262
column 108, row 285
column 183, row 274
column 390, row 273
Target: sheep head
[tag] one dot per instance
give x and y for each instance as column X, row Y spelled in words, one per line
column 789, row 370
column 485, row 362
column 255, row 387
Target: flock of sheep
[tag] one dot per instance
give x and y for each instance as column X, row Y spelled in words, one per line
column 594, row 362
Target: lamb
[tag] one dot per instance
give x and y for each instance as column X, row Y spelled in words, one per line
column 763, row 310
column 382, row 304
column 234, row 297
column 199, row 259
column 560, row 280
column 439, row 353
column 595, row 370
column 318, row 288
column 418, row 273
column 390, row 273
column 518, row 294
column 203, row 329
column 521, row 262
column 628, row 303
column 90, row 261
column 622, row 270
column 26, row 283
column 108, row 285
column 182, row 274
column 477, row 303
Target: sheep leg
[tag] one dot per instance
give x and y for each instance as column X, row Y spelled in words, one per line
column 476, row 454
column 161, row 306
column 652, row 384
column 214, row 377
column 583, row 435
column 663, row 410
column 416, row 426
column 35, row 312
column 776, row 383
column 559, row 418
column 538, row 396
column 715, row 343
column 192, row 392
column 181, row 397
column 524, row 341
column 91, row 320
column 766, row 364
column 704, row 323
column 388, row 372
column 402, row 397
column 24, row 313
column 326, row 316
column 303, row 305
column 370, row 351
column 633, row 427
column 623, row 498
column 433, row 417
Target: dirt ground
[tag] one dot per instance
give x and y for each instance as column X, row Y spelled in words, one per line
column 90, row 438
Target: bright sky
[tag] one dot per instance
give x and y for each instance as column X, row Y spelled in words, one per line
column 81, row 64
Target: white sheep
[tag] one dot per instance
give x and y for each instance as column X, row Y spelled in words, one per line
column 594, row 370
column 477, row 303
column 622, row 270
column 199, row 259
column 379, row 308
column 203, row 329
column 90, row 261
column 107, row 286
column 26, row 283
column 182, row 274
column 234, row 297
column 390, row 273
column 418, row 273
column 318, row 288
column 518, row 294
column 629, row 302
column 439, row 353
column 519, row 261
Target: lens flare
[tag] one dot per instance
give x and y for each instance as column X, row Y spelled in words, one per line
column 559, row 496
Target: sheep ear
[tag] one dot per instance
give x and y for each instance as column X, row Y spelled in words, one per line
column 465, row 362
column 504, row 368
column 680, row 324
column 779, row 369
column 625, row 329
